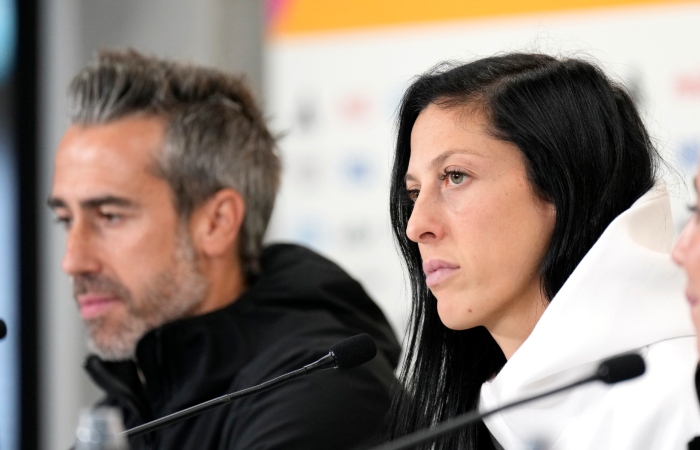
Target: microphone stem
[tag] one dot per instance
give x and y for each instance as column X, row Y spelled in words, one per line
column 202, row 407
column 460, row 421
column 327, row 362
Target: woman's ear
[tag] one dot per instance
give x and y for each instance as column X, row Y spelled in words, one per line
column 216, row 224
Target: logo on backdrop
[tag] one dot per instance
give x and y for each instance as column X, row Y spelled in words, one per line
column 687, row 85
column 687, row 154
column 357, row 169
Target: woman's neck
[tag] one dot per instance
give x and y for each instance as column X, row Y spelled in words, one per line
column 515, row 325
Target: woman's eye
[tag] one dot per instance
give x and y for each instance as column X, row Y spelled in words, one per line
column 412, row 194
column 456, row 177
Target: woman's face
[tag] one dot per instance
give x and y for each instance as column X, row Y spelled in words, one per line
column 686, row 254
column 481, row 230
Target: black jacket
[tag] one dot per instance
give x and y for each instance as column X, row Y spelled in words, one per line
column 300, row 306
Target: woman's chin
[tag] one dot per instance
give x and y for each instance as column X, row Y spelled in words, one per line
column 455, row 318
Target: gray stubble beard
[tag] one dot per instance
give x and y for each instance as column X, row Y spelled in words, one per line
column 172, row 294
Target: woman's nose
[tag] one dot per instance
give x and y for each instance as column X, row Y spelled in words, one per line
column 425, row 223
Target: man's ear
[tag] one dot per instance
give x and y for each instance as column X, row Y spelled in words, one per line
column 215, row 225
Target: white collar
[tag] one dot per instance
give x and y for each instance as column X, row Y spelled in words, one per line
column 625, row 294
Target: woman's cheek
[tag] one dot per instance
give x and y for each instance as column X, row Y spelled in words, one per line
column 457, row 200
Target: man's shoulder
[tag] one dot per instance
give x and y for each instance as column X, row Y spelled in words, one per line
column 289, row 351
column 330, row 408
column 303, row 300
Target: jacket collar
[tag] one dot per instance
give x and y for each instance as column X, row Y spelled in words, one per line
column 191, row 360
column 624, row 295
column 183, row 363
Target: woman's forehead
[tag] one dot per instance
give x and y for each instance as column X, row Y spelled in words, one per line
column 440, row 135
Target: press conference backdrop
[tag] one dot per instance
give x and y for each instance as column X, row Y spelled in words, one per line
column 335, row 73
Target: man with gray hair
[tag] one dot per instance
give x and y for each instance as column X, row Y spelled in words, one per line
column 165, row 183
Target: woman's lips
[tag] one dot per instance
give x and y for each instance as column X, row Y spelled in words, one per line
column 437, row 270
column 691, row 299
column 95, row 305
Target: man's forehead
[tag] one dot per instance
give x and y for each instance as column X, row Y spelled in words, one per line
column 140, row 132
column 112, row 159
column 134, row 140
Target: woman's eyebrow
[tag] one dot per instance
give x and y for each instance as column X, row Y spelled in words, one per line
column 441, row 158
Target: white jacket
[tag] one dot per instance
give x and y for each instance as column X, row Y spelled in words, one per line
column 626, row 294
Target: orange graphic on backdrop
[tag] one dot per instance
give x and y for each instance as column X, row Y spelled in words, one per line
column 297, row 17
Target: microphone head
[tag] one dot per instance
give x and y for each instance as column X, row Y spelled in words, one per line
column 354, row 351
column 620, row 368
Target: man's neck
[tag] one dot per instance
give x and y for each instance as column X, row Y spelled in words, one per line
column 226, row 284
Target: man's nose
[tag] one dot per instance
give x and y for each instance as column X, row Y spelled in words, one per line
column 80, row 256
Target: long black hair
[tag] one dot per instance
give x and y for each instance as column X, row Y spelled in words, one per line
column 586, row 151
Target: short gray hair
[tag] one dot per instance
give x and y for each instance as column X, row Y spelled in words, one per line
column 216, row 136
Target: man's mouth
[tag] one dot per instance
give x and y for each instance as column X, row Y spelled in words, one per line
column 95, row 305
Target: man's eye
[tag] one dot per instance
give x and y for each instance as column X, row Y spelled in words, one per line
column 63, row 220
column 110, row 217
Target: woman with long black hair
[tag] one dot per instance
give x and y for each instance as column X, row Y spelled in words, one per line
column 526, row 205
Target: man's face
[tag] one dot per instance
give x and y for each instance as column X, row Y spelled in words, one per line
column 132, row 263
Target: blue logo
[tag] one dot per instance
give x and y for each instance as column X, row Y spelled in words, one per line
column 687, row 154
column 358, row 170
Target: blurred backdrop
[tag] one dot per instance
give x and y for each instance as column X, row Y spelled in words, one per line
column 330, row 75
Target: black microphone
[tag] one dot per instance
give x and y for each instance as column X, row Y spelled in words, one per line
column 3, row 329
column 351, row 352
column 610, row 371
